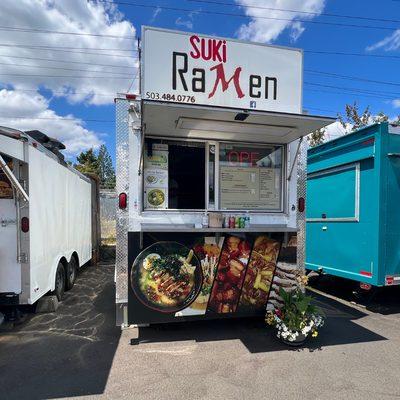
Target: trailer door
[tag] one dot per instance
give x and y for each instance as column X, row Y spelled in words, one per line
column 10, row 269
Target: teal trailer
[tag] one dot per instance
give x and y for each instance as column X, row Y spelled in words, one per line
column 352, row 207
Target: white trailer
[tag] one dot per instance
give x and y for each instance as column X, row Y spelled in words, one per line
column 45, row 220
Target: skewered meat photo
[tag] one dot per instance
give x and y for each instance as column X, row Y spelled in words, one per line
column 229, row 280
column 208, row 253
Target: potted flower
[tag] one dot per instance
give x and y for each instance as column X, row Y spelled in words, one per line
column 297, row 319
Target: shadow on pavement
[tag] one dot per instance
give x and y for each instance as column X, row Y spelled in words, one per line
column 67, row 353
column 340, row 328
column 384, row 300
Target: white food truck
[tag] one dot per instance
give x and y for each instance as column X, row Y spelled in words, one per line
column 211, row 179
column 45, row 218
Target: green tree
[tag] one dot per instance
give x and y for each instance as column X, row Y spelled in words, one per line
column 99, row 164
column 317, row 137
column 88, row 162
column 353, row 119
column 106, row 168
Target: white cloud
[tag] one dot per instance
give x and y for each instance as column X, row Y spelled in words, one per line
column 389, row 43
column 335, row 130
column 68, row 16
column 268, row 30
column 396, row 103
column 185, row 23
column 37, row 115
column 156, row 12
column 296, row 30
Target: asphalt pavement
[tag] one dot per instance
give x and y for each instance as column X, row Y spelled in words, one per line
column 78, row 352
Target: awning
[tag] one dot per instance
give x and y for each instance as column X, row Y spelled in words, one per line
column 201, row 122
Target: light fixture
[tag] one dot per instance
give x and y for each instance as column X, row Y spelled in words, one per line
column 241, row 116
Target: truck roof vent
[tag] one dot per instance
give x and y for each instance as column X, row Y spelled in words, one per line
column 51, row 144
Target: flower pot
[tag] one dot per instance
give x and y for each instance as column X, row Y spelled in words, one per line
column 299, row 341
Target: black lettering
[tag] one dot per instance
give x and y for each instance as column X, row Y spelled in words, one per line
column 275, row 86
column 180, row 71
column 201, row 80
column 254, row 82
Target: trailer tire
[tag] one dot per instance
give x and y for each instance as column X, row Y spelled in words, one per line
column 70, row 273
column 59, row 286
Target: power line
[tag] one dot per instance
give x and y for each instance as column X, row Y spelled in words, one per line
column 208, row 12
column 350, row 94
column 319, row 109
column 67, row 76
column 339, row 53
column 37, row 30
column 65, row 69
column 66, row 50
column 296, row 11
column 57, row 119
column 367, row 91
column 66, row 61
column 352, row 78
column 46, row 47
column 64, row 93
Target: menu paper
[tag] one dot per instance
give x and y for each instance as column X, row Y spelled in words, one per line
column 156, row 177
column 249, row 188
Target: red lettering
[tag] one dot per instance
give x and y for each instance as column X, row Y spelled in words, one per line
column 220, row 77
column 244, row 156
column 230, row 156
column 254, row 157
column 193, row 40
column 208, row 49
column 216, row 45
column 206, row 45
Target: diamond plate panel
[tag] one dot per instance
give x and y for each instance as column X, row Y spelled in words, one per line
column 122, row 185
column 301, row 217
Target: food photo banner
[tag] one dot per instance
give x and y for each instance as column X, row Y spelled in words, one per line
column 190, row 68
column 177, row 276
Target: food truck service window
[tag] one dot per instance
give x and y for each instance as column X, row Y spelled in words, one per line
column 174, row 175
column 250, row 177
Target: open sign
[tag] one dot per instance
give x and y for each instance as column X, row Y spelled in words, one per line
column 250, row 157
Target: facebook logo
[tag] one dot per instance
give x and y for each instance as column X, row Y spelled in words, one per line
column 253, row 104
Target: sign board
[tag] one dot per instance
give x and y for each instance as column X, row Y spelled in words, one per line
column 182, row 276
column 190, row 68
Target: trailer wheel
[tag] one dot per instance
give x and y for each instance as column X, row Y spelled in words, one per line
column 70, row 273
column 60, row 282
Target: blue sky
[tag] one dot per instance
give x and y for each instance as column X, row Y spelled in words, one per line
column 72, row 117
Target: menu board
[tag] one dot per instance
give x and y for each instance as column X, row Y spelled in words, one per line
column 249, row 188
column 156, row 177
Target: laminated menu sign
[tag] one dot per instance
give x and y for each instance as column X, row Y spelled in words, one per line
column 249, row 188
column 156, row 177
column 175, row 275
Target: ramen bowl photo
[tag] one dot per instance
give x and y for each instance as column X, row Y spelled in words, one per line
column 166, row 277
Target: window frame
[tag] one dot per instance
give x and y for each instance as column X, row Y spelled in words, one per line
column 356, row 217
column 217, row 207
column 281, row 209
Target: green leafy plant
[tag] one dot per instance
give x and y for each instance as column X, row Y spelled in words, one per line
column 296, row 316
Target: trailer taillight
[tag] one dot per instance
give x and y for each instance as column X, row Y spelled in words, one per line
column 301, row 205
column 122, row 201
column 25, row 224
